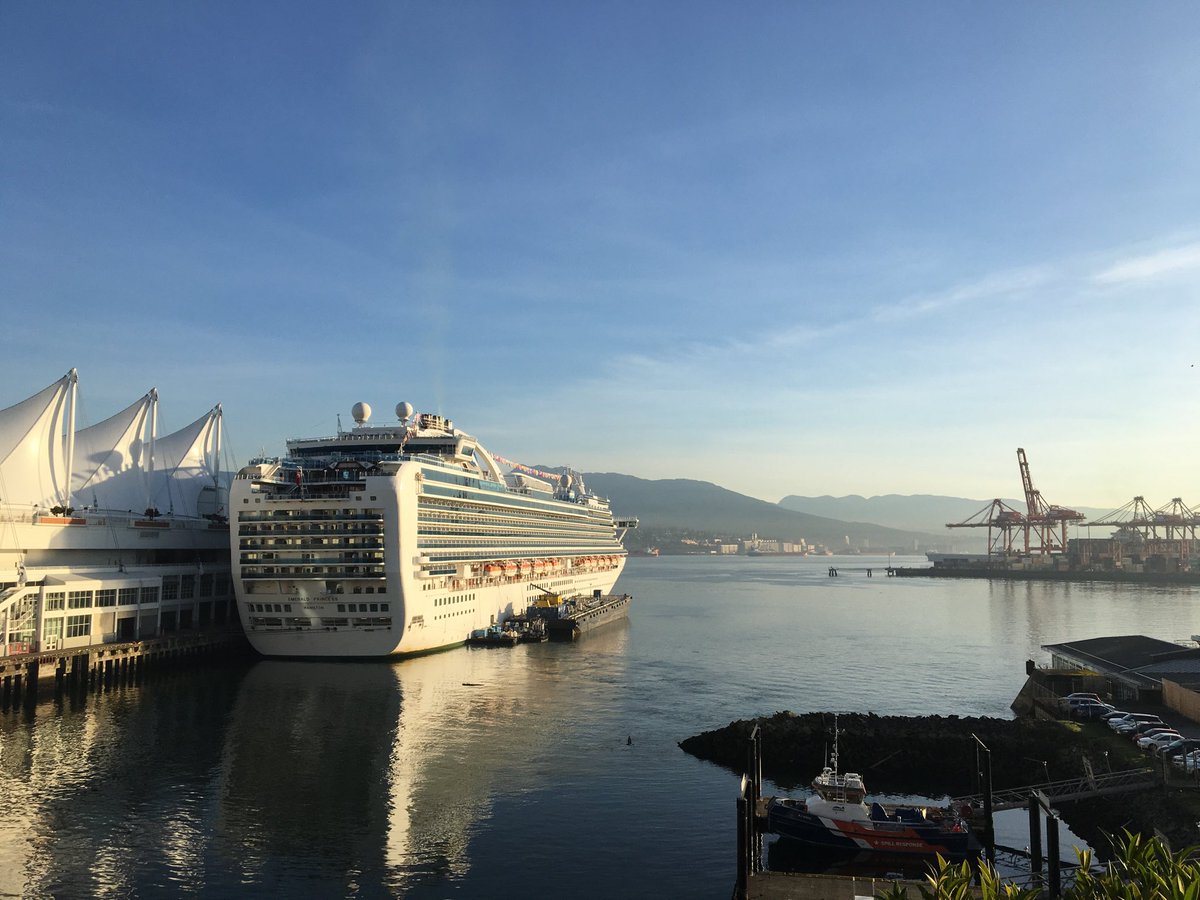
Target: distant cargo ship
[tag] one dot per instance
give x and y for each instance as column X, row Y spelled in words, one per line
column 402, row 539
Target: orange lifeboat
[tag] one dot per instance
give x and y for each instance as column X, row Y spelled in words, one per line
column 541, row 566
column 525, row 567
column 510, row 568
column 492, row 569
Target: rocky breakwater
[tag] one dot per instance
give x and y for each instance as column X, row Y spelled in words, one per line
column 935, row 756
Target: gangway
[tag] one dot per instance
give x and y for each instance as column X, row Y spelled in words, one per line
column 1067, row 790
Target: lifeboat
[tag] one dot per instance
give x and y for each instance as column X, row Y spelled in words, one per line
column 541, row 566
column 492, row 569
column 510, row 568
column 525, row 567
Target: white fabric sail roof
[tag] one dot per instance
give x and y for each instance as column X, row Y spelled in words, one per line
column 111, row 458
column 32, row 456
column 116, row 464
column 185, row 464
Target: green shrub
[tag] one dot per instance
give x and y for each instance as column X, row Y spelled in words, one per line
column 1141, row 869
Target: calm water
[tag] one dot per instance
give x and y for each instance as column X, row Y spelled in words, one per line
column 495, row 773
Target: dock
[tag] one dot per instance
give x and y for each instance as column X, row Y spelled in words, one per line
column 1048, row 870
column 583, row 614
column 27, row 677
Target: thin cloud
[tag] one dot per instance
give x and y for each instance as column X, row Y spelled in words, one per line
column 1152, row 265
column 987, row 288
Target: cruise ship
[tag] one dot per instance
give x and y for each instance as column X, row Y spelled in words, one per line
column 402, row 539
column 109, row 532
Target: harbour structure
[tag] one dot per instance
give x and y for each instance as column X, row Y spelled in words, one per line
column 1039, row 531
column 404, row 538
column 570, row 619
column 111, row 532
column 1146, row 540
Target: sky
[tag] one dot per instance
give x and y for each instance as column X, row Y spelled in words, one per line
column 789, row 248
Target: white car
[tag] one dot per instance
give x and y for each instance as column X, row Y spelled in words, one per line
column 1187, row 762
column 1158, row 741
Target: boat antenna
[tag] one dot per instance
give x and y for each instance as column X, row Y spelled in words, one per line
column 834, row 758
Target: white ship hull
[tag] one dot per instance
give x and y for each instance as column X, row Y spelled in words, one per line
column 408, row 554
column 491, row 604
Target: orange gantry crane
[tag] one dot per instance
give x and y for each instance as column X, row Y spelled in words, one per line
column 1003, row 523
column 1046, row 524
column 1042, row 528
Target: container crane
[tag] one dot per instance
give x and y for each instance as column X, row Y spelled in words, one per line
column 1003, row 524
column 1134, row 516
column 1176, row 520
column 1046, row 524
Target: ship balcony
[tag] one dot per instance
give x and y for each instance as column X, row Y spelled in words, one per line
column 282, row 545
column 310, row 533
column 275, row 573
column 307, row 516
column 357, row 559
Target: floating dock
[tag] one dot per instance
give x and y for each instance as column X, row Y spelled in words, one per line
column 571, row 618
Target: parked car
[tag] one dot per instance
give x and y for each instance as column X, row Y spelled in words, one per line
column 1151, row 732
column 1179, row 747
column 1128, row 722
column 1069, row 697
column 1089, row 710
column 1139, row 730
column 1115, row 714
column 1157, row 741
column 1188, row 761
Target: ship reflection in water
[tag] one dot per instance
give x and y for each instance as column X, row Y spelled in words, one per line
column 385, row 771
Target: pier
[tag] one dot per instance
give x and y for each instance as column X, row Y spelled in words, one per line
column 27, row 677
column 1067, row 790
column 756, row 882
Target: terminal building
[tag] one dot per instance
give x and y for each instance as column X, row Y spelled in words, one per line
column 109, row 532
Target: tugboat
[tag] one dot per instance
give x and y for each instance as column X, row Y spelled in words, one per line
column 493, row 636
column 838, row 818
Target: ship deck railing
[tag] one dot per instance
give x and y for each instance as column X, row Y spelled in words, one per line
column 108, row 517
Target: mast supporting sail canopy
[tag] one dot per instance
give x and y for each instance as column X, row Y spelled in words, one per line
column 117, row 464
column 34, row 457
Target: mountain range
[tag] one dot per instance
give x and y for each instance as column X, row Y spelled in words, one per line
column 670, row 509
column 681, row 506
column 917, row 512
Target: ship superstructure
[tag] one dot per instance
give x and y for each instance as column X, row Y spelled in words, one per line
column 110, row 532
column 402, row 539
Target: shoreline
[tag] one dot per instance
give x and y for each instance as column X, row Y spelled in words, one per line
column 1173, row 579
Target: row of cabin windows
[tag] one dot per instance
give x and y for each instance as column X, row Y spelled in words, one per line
column 363, row 607
column 341, row 607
